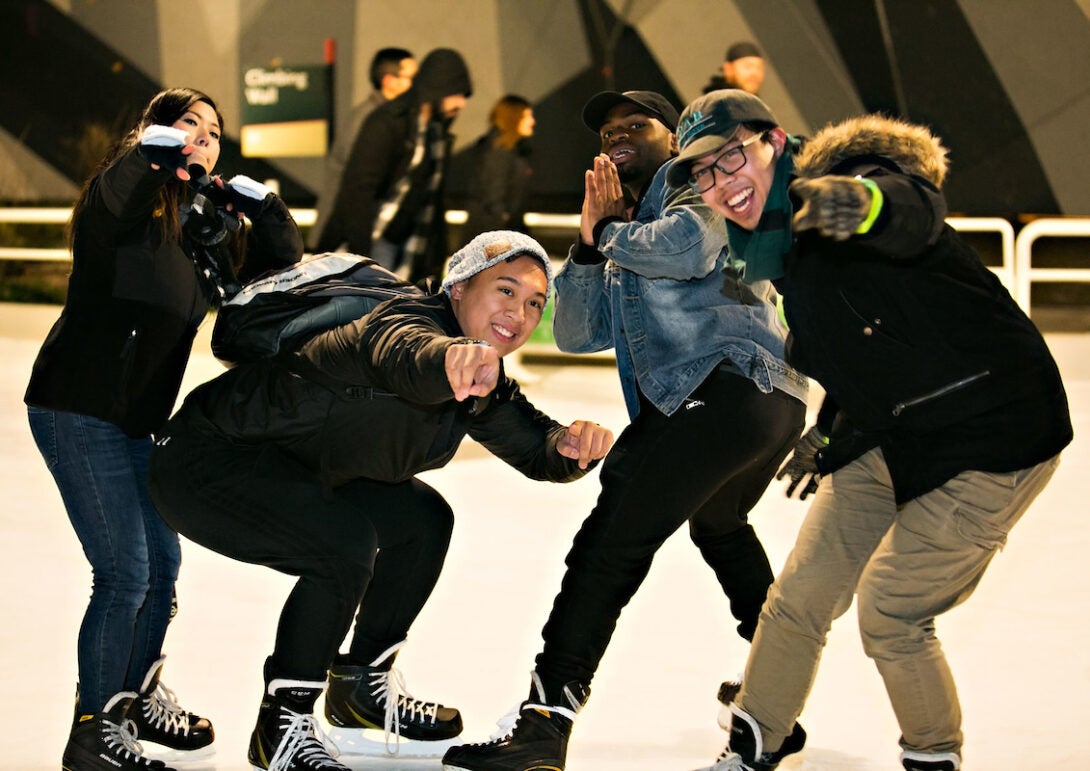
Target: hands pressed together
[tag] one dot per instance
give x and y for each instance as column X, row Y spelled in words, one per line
column 603, row 196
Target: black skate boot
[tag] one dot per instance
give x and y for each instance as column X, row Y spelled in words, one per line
column 728, row 692
column 287, row 736
column 745, row 751
column 927, row 761
column 106, row 741
column 373, row 697
column 538, row 741
column 166, row 730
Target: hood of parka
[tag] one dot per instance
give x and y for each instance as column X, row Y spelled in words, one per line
column 913, row 148
column 442, row 73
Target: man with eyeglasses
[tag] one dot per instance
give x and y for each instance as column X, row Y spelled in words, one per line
column 713, row 408
column 944, row 418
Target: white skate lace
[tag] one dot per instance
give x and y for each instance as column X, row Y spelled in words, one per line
column 303, row 743
column 121, row 739
column 505, row 726
column 389, row 688
column 161, row 710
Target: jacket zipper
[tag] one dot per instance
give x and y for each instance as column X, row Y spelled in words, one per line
column 956, row 385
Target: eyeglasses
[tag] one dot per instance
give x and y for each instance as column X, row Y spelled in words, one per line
column 729, row 162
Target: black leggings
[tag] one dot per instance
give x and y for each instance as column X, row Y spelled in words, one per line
column 368, row 545
column 707, row 464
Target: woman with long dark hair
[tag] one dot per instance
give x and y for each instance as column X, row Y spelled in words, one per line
column 155, row 244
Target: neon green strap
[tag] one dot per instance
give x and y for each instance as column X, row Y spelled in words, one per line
column 875, row 206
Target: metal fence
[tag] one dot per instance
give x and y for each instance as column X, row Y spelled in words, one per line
column 1016, row 269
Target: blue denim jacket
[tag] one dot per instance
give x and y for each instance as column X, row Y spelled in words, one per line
column 660, row 299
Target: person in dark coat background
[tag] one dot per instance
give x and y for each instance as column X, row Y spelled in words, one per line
column 391, row 206
column 496, row 170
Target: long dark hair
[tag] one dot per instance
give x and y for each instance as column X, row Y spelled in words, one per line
column 164, row 109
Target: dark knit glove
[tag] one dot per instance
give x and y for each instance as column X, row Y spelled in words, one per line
column 163, row 146
column 802, row 465
column 247, row 195
column 835, row 206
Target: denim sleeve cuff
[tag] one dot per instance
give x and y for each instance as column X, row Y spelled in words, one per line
column 600, row 226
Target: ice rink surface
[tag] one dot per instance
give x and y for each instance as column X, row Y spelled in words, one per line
column 1018, row 647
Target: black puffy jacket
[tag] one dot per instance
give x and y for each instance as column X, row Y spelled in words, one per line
column 916, row 341
column 371, row 400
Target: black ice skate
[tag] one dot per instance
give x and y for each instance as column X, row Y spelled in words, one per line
column 538, row 741
column 287, row 736
column 367, row 699
column 167, row 731
column 745, row 751
column 106, row 741
column 925, row 761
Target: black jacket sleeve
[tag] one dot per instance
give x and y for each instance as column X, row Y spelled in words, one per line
column 523, row 437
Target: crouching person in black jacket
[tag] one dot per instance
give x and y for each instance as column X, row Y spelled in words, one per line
column 306, row 464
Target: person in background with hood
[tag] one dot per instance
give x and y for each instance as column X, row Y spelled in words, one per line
column 390, row 206
column 944, row 415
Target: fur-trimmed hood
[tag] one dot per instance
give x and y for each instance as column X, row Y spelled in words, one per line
column 912, row 147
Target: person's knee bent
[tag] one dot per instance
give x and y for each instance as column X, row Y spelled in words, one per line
column 888, row 629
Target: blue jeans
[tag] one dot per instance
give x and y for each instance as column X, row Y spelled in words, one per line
column 102, row 477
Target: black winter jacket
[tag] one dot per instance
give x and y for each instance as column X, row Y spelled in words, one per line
column 916, row 341
column 120, row 347
column 371, row 400
column 381, row 156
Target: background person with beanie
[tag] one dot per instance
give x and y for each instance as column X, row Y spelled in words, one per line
column 306, row 464
column 714, row 410
column 391, row 206
column 944, row 418
column 743, row 67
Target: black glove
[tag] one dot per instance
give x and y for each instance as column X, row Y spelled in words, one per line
column 247, row 196
column 834, row 205
column 803, row 464
column 162, row 146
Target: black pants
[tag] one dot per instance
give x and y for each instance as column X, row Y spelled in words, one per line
column 707, row 464
column 375, row 547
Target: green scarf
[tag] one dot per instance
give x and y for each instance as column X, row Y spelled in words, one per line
column 758, row 254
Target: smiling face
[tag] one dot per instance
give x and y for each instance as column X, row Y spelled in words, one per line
column 502, row 305
column 741, row 197
column 203, row 126
column 637, row 143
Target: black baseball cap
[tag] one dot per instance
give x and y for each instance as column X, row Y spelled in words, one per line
column 594, row 112
column 710, row 122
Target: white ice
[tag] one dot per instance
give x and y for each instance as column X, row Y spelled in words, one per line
column 1018, row 647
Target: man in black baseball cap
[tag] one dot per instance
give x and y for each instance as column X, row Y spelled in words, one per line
column 713, row 409
column 658, row 106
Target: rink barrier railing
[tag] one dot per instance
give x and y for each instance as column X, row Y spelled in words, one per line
column 1016, row 270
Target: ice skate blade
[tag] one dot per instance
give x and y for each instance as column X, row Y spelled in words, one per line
column 372, row 743
column 173, row 757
